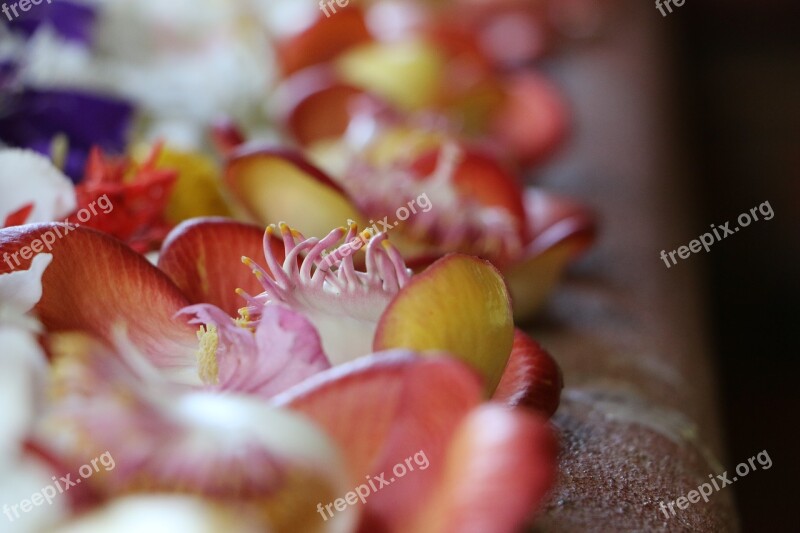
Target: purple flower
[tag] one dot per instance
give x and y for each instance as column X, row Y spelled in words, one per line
column 32, row 118
column 71, row 21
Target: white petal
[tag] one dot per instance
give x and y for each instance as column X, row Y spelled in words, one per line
column 20, row 480
column 21, row 382
column 159, row 514
column 30, row 178
column 21, row 290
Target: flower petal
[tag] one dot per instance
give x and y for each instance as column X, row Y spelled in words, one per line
column 481, row 177
column 459, row 305
column 561, row 230
column 272, row 464
column 316, row 106
column 532, row 378
column 29, row 178
column 534, row 120
column 284, row 350
column 407, row 74
column 95, row 282
column 160, row 513
column 203, row 258
column 281, row 186
column 382, row 405
column 196, row 192
column 21, row 385
column 21, row 290
column 36, row 117
column 500, row 465
column 323, row 40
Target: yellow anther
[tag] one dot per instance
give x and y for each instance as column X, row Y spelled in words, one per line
column 207, row 365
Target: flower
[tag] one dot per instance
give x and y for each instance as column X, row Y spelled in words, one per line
column 137, row 192
column 354, row 310
column 436, row 61
column 45, row 194
column 153, row 395
column 475, row 205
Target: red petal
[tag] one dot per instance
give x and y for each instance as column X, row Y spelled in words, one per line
column 278, row 185
column 553, row 220
column 380, row 406
column 560, row 230
column 499, row 467
column 324, row 40
column 532, row 378
column 226, row 136
column 18, row 218
column 483, row 178
column 534, row 120
column 95, row 283
column 204, row 259
column 316, row 105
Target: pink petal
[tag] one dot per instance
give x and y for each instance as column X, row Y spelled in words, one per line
column 284, row 351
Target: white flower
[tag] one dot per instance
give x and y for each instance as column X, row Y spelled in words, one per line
column 27, row 177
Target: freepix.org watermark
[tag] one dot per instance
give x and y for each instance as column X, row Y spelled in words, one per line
column 23, row 5
column 59, row 486
column 359, row 241
column 667, row 4
column 707, row 239
column 325, row 5
column 48, row 238
column 375, row 484
column 720, row 481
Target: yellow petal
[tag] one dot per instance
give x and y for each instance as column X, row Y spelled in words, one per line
column 407, row 74
column 197, row 189
column 459, row 305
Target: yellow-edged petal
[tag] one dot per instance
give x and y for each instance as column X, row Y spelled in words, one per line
column 460, row 305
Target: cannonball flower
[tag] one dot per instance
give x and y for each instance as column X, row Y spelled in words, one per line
column 337, row 330
column 414, row 60
column 434, row 194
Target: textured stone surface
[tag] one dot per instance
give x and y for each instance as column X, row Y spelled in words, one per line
column 639, row 414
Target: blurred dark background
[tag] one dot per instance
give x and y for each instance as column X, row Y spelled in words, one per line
column 739, row 78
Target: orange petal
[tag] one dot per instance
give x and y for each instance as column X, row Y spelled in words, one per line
column 499, row 467
column 204, row 259
column 459, row 305
column 95, row 282
column 532, row 378
column 561, row 230
column 281, row 186
column 387, row 401
column 534, row 120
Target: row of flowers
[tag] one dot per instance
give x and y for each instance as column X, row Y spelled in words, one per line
column 238, row 376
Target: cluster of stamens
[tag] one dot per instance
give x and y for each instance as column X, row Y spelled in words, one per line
column 314, row 269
